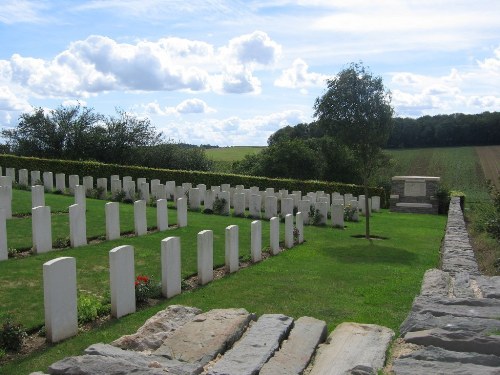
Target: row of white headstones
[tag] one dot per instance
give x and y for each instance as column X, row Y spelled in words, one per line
column 241, row 198
column 60, row 284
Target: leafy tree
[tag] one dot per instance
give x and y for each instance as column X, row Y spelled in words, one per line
column 356, row 110
column 61, row 133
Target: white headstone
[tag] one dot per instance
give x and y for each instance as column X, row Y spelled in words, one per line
column 140, row 223
column 59, row 297
column 114, row 177
column 286, row 206
column 37, row 196
column 41, row 225
column 256, row 241
column 232, row 248
column 11, row 172
column 112, row 211
column 161, row 192
column 209, row 200
column 23, row 177
column 203, row 189
column 322, row 208
column 122, row 279
column 116, row 186
column 239, row 204
column 205, row 257
column 182, row 218
column 170, row 187
column 376, row 203
column 102, row 186
column 347, row 199
column 140, row 181
column 48, row 181
column 80, row 198
column 171, row 266
column 6, row 200
column 77, row 226
column 216, row 189
column 305, row 207
column 186, row 186
column 338, row 215
column 73, row 180
column 194, row 199
column 35, row 178
column 289, row 231
column 355, row 207
column 299, row 224
column 179, row 193
column 274, row 224
column 255, row 206
column 126, row 180
column 4, row 248
column 225, row 187
column 88, row 182
column 144, row 191
column 129, row 188
column 61, row 182
column 271, row 207
column 161, row 214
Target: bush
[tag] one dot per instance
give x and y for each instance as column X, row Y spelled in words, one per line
column 443, row 196
column 219, row 205
column 12, row 335
column 349, row 212
column 145, row 288
column 90, row 308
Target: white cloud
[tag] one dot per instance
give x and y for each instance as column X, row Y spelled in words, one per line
column 469, row 89
column 21, row 11
column 99, row 64
column 254, row 48
column 233, row 131
column 298, row 76
column 188, row 106
column 10, row 102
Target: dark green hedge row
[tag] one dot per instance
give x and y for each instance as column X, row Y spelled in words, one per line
column 98, row 170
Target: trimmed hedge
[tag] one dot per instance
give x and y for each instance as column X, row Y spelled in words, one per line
column 97, row 170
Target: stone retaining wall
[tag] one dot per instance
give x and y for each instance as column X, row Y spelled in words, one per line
column 454, row 322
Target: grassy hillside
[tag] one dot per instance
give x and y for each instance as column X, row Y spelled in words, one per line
column 231, row 154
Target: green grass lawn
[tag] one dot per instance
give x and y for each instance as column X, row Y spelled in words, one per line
column 332, row 276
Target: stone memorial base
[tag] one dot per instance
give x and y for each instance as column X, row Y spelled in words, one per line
column 414, row 194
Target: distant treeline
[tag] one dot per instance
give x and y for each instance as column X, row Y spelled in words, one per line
column 427, row 131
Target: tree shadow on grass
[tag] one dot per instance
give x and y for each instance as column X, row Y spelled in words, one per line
column 369, row 253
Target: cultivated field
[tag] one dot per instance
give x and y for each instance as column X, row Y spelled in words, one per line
column 458, row 167
column 489, row 157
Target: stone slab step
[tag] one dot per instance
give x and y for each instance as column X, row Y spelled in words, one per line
column 99, row 365
column 489, row 286
column 462, row 285
column 296, row 352
column 432, row 360
column 259, row 343
column 206, row 336
column 423, row 321
column 353, row 345
column 459, row 341
column 465, row 307
column 435, row 283
column 155, row 330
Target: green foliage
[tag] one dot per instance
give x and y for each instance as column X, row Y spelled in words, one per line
column 461, row 195
column 12, row 335
column 91, row 307
column 443, row 196
column 98, row 170
column 456, row 129
column 146, row 288
column 349, row 212
column 118, row 196
column 219, row 205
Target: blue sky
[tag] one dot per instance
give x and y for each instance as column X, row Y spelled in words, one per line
column 234, row 72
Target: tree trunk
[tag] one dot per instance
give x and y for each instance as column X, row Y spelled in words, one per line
column 367, row 211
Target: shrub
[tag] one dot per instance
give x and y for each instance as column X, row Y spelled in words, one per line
column 12, row 335
column 349, row 212
column 219, row 205
column 145, row 288
column 118, row 196
column 443, row 196
column 296, row 235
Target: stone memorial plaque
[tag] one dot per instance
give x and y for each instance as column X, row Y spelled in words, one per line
column 415, row 188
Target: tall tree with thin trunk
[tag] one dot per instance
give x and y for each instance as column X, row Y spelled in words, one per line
column 356, row 109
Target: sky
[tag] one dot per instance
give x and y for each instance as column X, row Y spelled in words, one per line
column 231, row 73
